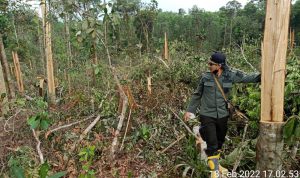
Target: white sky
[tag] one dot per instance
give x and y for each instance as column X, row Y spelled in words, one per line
column 174, row 5
column 208, row 5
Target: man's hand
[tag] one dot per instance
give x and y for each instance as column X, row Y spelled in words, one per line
column 188, row 115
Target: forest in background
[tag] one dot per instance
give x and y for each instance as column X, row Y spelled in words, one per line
column 89, row 37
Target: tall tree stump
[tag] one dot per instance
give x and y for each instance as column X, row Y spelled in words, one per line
column 274, row 49
column 269, row 147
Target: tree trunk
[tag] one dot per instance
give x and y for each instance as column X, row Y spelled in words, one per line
column 269, row 148
column 94, row 61
column 3, row 108
column 18, row 72
column 6, row 74
column 42, row 66
column 224, row 37
column 230, row 35
column 48, row 52
column 166, row 49
column 68, row 41
column 274, row 48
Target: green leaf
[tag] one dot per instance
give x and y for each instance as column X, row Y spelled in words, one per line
column 297, row 131
column 42, row 104
column 44, row 124
column 91, row 172
column 85, row 167
column 289, row 128
column 33, row 121
column 43, row 171
column 3, row 95
column 59, row 174
column 18, row 172
column 97, row 70
column 291, row 140
column 82, row 152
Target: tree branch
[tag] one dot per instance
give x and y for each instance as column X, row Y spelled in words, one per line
column 38, row 145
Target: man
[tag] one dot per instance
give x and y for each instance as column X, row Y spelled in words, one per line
column 214, row 112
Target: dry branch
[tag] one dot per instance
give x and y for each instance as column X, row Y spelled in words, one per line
column 129, row 116
column 173, row 143
column 199, row 139
column 160, row 59
column 68, row 125
column 122, row 117
column 240, row 153
column 89, row 128
column 38, row 145
column 6, row 122
column 149, row 85
column 243, row 54
column 124, row 106
column 295, row 150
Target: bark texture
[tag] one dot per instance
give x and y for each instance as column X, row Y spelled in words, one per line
column 5, row 70
column 269, row 147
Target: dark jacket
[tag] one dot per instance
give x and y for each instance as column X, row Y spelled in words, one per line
column 209, row 97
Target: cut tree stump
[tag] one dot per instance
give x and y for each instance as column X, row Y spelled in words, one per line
column 269, row 147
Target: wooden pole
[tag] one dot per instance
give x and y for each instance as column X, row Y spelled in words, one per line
column 274, row 49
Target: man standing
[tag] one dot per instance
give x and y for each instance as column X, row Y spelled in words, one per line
column 214, row 112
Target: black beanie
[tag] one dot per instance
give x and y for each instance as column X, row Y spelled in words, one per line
column 218, row 58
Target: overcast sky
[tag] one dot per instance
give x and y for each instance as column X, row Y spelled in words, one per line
column 174, row 5
column 208, row 5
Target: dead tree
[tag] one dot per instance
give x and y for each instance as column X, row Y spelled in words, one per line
column 274, row 48
column 18, row 72
column 5, row 70
column 48, row 52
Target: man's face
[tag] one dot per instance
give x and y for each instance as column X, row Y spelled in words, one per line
column 213, row 66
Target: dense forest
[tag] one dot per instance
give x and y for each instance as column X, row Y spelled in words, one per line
column 98, row 89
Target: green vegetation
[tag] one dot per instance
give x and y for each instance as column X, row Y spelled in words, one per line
column 132, row 33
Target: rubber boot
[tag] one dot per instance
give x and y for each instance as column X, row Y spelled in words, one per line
column 222, row 169
column 213, row 164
